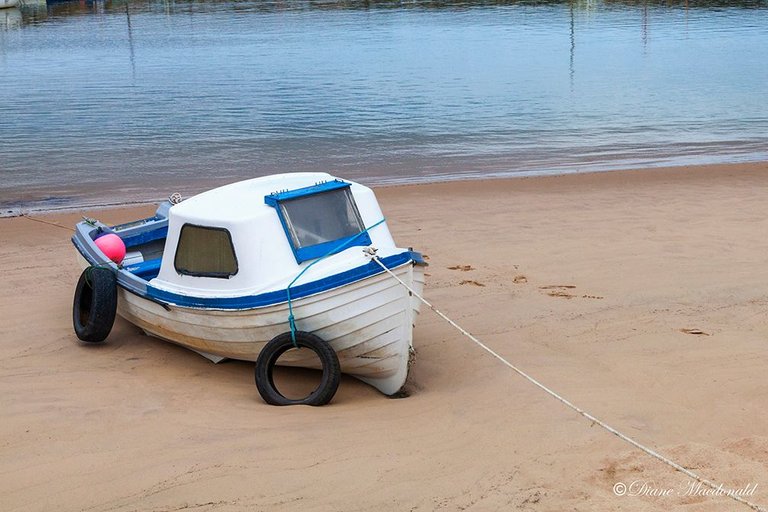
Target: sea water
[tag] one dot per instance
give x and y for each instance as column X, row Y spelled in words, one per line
column 104, row 102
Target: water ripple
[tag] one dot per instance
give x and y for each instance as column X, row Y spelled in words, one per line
column 154, row 93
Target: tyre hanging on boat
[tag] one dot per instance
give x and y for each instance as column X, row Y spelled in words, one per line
column 95, row 304
column 281, row 344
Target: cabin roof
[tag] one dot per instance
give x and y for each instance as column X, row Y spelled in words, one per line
column 242, row 201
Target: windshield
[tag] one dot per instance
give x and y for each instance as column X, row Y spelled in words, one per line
column 321, row 218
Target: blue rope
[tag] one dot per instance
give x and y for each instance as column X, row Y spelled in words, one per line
column 291, row 319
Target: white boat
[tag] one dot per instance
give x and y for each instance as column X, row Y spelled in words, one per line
column 4, row 4
column 221, row 273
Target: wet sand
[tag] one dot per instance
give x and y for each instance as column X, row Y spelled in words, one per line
column 641, row 296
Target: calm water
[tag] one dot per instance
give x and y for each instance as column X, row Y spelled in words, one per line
column 108, row 101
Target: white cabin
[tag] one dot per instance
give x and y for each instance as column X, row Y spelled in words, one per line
column 257, row 235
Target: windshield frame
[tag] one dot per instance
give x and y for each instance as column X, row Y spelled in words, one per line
column 279, row 200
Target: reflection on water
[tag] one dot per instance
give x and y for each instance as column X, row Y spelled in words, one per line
column 141, row 95
column 10, row 18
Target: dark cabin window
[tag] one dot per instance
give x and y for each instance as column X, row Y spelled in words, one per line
column 321, row 218
column 205, row 252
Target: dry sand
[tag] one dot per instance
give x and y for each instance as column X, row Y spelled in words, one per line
column 585, row 281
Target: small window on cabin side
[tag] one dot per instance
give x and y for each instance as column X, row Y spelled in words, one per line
column 205, row 252
column 321, row 218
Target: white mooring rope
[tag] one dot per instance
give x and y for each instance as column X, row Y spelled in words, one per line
column 754, row 506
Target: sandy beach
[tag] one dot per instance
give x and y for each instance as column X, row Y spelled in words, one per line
column 641, row 296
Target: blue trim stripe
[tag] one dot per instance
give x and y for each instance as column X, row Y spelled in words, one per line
column 280, row 296
column 325, row 248
column 275, row 197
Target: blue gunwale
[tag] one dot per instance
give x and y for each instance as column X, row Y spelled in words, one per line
column 141, row 287
column 281, row 296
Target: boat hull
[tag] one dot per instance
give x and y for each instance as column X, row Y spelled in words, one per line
column 369, row 324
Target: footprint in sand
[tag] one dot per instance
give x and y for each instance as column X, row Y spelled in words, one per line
column 560, row 293
column 472, row 282
column 463, row 268
column 519, row 279
column 697, row 332
column 558, row 290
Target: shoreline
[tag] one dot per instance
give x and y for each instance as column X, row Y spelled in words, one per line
column 640, row 296
column 523, row 175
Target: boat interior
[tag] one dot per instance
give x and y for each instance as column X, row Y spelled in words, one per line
column 144, row 250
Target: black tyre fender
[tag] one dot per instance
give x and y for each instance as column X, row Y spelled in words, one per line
column 280, row 344
column 95, row 304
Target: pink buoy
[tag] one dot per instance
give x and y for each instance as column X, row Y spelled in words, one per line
column 112, row 246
